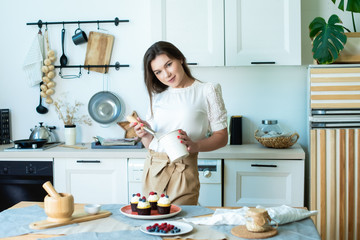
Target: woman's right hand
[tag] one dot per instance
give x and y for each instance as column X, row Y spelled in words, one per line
column 139, row 130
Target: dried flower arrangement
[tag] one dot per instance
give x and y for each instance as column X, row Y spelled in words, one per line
column 68, row 113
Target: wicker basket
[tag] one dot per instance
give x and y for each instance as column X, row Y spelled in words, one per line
column 278, row 142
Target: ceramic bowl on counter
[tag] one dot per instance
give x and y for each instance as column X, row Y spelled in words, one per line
column 92, row 208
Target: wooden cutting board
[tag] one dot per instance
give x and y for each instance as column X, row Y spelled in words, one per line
column 242, row 232
column 99, row 49
column 78, row 217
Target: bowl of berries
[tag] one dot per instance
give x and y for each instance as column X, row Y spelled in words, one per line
column 169, row 228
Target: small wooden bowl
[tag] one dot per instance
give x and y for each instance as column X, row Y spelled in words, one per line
column 59, row 209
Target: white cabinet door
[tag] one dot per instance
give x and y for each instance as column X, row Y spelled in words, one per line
column 101, row 181
column 195, row 27
column 264, row 182
column 262, row 31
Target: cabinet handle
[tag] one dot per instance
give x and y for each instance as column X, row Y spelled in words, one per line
column 88, row 161
column 192, row 63
column 263, row 165
column 262, row 62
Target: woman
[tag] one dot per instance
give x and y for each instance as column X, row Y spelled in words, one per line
column 178, row 101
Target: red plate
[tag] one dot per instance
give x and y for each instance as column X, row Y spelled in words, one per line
column 126, row 210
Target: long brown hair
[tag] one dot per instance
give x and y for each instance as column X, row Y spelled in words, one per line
column 153, row 85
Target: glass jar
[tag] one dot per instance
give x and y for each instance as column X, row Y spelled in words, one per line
column 257, row 220
column 269, row 128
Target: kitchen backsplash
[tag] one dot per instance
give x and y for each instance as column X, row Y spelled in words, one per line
column 256, row 93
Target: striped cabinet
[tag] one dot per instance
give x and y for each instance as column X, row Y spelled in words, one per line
column 334, row 116
column 335, row 182
column 335, row 87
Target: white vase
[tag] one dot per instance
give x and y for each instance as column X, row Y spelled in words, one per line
column 70, row 134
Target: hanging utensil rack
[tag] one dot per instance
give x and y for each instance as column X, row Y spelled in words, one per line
column 40, row 23
column 116, row 21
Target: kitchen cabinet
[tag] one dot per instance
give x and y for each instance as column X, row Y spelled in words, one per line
column 90, row 180
column 231, row 32
column 264, row 182
column 195, row 27
column 262, row 31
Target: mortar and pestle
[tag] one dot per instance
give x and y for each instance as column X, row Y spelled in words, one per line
column 169, row 141
column 59, row 207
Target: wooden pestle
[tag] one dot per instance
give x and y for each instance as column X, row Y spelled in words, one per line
column 149, row 130
column 51, row 190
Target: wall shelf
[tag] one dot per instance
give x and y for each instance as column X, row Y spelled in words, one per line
column 116, row 21
column 40, row 23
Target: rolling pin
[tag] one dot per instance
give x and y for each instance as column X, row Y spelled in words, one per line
column 51, row 190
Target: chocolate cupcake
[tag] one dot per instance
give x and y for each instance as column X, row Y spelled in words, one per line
column 134, row 201
column 164, row 205
column 143, row 207
column 153, row 199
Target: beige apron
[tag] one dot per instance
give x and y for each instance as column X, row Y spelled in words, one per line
column 179, row 180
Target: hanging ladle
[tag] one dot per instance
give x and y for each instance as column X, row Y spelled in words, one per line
column 41, row 109
column 63, row 58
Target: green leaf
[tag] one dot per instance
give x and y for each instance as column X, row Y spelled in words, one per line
column 328, row 39
column 353, row 6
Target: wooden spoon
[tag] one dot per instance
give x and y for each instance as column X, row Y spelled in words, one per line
column 51, row 190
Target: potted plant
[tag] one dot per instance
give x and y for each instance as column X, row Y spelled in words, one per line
column 329, row 38
column 69, row 115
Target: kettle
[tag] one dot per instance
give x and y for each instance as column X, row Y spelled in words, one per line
column 42, row 132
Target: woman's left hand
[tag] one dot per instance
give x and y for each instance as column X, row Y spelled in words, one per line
column 191, row 146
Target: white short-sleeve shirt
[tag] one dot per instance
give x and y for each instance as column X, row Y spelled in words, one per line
column 198, row 109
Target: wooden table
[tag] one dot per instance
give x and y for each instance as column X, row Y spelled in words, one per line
column 33, row 236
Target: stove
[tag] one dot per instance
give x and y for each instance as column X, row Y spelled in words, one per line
column 34, row 147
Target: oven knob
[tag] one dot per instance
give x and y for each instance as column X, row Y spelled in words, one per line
column 206, row 173
column 5, row 170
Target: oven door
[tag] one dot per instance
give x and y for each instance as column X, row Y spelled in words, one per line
column 23, row 180
column 15, row 189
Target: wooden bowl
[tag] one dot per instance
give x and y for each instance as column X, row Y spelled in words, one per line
column 59, row 209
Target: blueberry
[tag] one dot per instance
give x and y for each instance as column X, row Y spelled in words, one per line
column 172, row 231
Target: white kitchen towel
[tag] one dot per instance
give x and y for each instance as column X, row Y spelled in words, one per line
column 285, row 214
column 222, row 216
column 281, row 214
column 34, row 61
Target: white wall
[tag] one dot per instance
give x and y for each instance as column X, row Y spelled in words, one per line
column 255, row 92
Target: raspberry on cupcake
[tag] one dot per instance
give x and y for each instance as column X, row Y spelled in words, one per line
column 143, row 207
column 163, row 204
column 153, row 199
column 134, row 201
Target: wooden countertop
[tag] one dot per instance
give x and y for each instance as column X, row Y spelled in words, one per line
column 37, row 236
column 245, row 151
